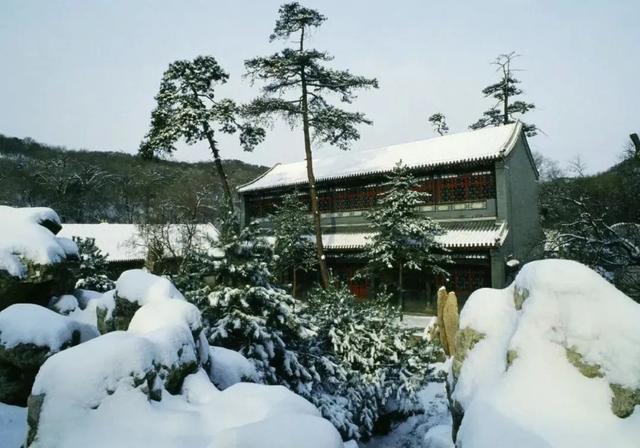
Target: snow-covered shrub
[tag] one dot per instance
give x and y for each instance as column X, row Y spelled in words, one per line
column 352, row 360
column 34, row 263
column 29, row 334
column 387, row 364
column 552, row 360
column 92, row 272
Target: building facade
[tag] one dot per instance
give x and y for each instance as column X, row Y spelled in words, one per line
column 482, row 189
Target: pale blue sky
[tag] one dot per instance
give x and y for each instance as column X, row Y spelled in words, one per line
column 83, row 73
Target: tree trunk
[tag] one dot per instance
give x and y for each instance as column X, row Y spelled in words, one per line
column 400, row 292
column 505, row 103
column 315, row 210
column 218, row 164
column 295, row 283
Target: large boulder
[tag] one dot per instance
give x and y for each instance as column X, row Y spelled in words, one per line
column 34, row 264
column 552, row 360
column 29, row 334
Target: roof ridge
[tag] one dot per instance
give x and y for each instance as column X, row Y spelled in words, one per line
column 490, row 144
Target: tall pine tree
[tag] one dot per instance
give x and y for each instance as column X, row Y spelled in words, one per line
column 404, row 239
column 188, row 109
column 439, row 123
column 506, row 110
column 297, row 82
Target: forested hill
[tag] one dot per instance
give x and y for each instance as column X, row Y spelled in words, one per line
column 611, row 195
column 91, row 186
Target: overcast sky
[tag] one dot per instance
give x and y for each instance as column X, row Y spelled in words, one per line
column 83, row 74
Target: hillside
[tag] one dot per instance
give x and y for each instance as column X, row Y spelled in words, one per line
column 90, row 186
column 611, row 195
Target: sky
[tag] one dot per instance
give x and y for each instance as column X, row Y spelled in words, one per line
column 83, row 74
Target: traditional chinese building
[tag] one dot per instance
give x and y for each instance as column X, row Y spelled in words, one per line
column 482, row 189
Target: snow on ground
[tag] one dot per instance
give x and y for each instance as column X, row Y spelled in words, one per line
column 22, row 238
column 13, row 425
column 410, row 433
column 554, row 310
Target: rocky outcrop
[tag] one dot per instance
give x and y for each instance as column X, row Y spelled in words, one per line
column 29, row 334
column 34, row 264
column 561, row 337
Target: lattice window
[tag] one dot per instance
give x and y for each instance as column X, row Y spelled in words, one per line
column 466, row 280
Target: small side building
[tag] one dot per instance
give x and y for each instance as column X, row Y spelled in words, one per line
column 482, row 186
column 130, row 246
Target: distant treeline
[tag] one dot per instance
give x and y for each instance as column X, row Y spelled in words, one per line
column 611, row 195
column 91, row 186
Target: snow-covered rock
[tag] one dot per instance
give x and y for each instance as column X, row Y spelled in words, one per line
column 141, row 287
column 552, row 360
column 230, row 367
column 64, row 304
column 148, row 386
column 29, row 334
column 34, row 263
column 175, row 328
column 134, row 288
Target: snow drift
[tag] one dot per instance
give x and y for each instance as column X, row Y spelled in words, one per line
column 551, row 361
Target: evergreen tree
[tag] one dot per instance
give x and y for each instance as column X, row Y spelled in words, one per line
column 92, row 272
column 367, row 337
column 506, row 110
column 439, row 123
column 293, row 249
column 404, row 238
column 302, row 73
column 243, row 311
column 188, row 109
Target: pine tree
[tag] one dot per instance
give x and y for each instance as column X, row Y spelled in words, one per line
column 188, row 109
column 92, row 272
column 243, row 311
column 293, row 248
column 404, row 238
column 302, row 73
column 439, row 123
column 506, row 110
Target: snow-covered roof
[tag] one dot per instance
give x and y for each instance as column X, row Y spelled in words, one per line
column 472, row 146
column 474, row 234
column 123, row 242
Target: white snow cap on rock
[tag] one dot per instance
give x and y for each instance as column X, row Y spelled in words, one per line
column 542, row 399
column 142, row 287
column 23, row 238
column 25, row 323
column 230, row 367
